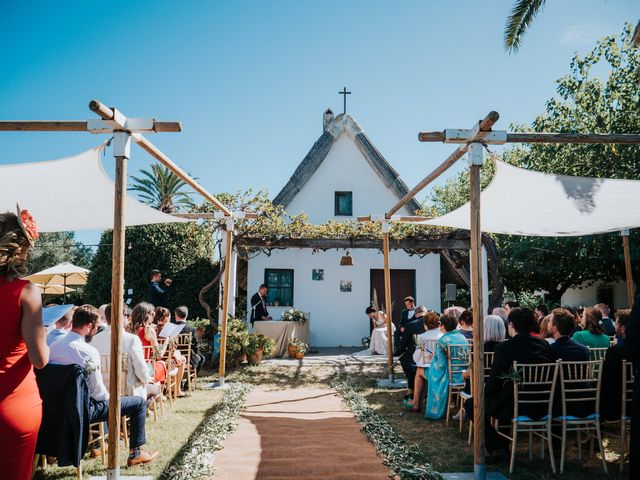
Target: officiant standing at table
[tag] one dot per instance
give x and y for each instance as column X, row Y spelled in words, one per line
column 259, row 305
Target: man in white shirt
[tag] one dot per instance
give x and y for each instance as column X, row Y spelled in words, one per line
column 62, row 325
column 139, row 380
column 73, row 349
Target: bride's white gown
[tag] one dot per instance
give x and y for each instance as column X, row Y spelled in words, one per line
column 379, row 340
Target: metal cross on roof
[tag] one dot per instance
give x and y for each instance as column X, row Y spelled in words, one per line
column 344, row 94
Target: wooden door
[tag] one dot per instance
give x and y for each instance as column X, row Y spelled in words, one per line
column 403, row 284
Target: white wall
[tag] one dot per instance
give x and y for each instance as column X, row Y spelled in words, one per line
column 343, row 169
column 587, row 296
column 338, row 318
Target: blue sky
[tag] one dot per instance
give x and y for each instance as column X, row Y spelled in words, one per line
column 249, row 80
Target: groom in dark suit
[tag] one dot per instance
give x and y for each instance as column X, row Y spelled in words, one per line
column 259, row 305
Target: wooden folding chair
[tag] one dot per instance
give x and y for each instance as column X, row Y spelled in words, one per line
column 158, row 400
column 105, row 368
column 533, row 384
column 458, row 359
column 184, row 343
column 580, row 388
column 597, row 353
column 628, row 378
column 488, row 363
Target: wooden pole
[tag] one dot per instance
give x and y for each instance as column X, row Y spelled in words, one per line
column 225, row 300
column 627, row 266
column 481, row 130
column 387, row 298
column 108, row 113
column 167, row 162
column 478, row 313
column 544, row 137
column 43, row 126
column 117, row 296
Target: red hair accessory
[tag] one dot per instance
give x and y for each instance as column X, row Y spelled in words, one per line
column 28, row 224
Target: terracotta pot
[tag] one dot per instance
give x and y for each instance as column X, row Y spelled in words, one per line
column 292, row 351
column 256, row 358
column 299, row 355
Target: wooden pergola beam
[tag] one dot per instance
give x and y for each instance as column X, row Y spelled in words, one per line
column 480, row 130
column 356, row 243
column 544, row 137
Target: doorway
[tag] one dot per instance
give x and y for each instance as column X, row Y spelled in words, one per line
column 403, row 284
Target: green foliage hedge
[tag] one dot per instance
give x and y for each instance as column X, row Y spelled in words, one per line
column 183, row 252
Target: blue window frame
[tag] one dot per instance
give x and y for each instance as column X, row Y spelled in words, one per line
column 344, row 204
column 279, row 281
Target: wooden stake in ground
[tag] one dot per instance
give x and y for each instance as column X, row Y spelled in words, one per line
column 627, row 266
column 225, row 299
column 121, row 149
column 387, row 297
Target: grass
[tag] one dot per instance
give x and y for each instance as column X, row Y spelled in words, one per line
column 444, row 446
column 170, row 435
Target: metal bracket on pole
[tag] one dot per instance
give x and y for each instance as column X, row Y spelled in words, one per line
column 624, row 232
column 122, row 144
column 386, row 226
column 474, row 154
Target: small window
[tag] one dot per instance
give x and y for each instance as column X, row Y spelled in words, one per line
column 280, row 284
column 344, row 204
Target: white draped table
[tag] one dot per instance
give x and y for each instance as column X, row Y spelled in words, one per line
column 282, row 332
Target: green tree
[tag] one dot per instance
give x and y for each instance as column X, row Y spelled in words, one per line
column 162, row 189
column 585, row 103
column 57, row 247
column 183, row 251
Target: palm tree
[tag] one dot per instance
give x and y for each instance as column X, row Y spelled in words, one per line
column 162, row 189
column 522, row 14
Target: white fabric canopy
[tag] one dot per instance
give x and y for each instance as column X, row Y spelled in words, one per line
column 73, row 193
column 525, row 202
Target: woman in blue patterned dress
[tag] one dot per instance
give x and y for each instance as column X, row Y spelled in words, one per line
column 438, row 374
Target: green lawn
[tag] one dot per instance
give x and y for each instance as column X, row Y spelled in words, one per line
column 169, row 435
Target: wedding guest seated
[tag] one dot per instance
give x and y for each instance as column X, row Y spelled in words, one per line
column 438, row 374
column 611, row 403
column 141, row 324
column 545, row 333
column 592, row 332
column 180, row 315
column 493, row 335
column 425, row 347
column 465, row 324
column 61, row 326
column 378, row 344
column 139, row 380
column 522, row 348
column 541, row 311
column 73, row 349
column 502, row 313
column 560, row 326
column 149, row 322
column 407, row 347
column 607, row 324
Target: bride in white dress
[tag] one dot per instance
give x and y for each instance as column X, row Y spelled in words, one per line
column 379, row 342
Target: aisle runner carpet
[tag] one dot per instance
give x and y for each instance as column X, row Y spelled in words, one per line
column 303, row 433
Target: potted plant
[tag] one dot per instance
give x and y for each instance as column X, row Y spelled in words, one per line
column 297, row 348
column 293, row 315
column 257, row 346
column 237, row 340
column 200, row 324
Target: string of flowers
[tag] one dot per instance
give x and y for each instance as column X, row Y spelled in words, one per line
column 197, row 460
column 405, row 461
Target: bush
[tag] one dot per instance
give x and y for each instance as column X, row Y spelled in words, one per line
column 182, row 251
column 237, row 341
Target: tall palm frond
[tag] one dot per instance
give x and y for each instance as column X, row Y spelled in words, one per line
column 522, row 14
column 162, row 189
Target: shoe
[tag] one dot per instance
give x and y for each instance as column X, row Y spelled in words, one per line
column 456, row 417
column 143, row 457
column 95, row 452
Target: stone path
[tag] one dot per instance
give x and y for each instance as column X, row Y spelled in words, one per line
column 303, row 433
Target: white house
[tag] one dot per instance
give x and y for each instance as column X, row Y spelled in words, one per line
column 343, row 176
column 588, row 294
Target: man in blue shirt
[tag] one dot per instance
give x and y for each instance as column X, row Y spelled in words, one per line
column 158, row 294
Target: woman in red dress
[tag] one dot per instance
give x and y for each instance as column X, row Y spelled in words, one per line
column 22, row 347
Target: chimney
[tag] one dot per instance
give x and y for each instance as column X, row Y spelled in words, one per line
column 327, row 118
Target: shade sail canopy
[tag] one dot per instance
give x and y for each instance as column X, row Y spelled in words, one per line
column 62, row 274
column 525, row 202
column 73, row 193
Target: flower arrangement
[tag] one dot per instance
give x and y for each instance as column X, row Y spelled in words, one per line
column 366, row 341
column 293, row 315
column 28, row 224
column 199, row 322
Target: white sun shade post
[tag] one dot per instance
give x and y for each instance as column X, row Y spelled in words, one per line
column 225, row 297
column 121, row 152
